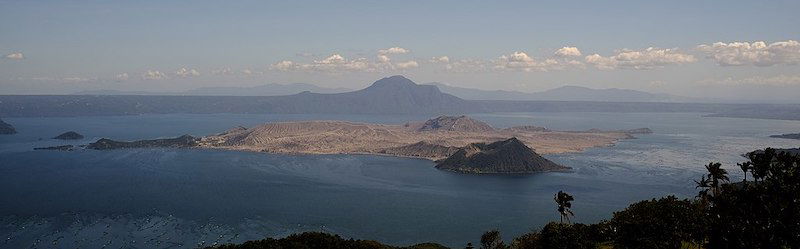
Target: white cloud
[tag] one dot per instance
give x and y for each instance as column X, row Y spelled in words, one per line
column 154, row 75
column 779, row 80
column 184, row 72
column 222, row 71
column 440, row 59
column 568, row 51
column 649, row 58
column 335, row 63
column 756, row 53
column 15, row 56
column 77, row 79
column 284, row 66
column 406, row 65
column 467, row 66
column 68, row 79
column 246, row 72
column 393, row 50
column 122, row 76
column 520, row 61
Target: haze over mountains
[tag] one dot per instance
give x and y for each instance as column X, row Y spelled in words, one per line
column 390, row 95
column 565, row 93
column 261, row 90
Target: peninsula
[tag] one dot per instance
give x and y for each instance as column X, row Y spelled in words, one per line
column 434, row 139
column 787, row 136
column 456, row 143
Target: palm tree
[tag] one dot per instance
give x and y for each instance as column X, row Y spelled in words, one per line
column 564, row 202
column 716, row 174
column 703, row 184
column 745, row 167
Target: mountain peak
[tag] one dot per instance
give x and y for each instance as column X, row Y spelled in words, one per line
column 506, row 156
column 393, row 81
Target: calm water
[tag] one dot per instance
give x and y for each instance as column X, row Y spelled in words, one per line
column 182, row 198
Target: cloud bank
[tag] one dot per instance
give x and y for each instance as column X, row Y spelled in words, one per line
column 646, row 59
column 757, row 53
column 15, row 56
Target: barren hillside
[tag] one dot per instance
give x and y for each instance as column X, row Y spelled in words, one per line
column 433, row 139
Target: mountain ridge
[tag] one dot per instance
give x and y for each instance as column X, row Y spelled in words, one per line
column 564, row 93
column 271, row 89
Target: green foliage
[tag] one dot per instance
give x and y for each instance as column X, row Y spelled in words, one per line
column 764, row 213
column 658, row 223
column 564, row 202
column 492, row 240
column 314, row 240
column 559, row 235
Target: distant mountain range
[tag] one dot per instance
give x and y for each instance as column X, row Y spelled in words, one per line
column 390, row 95
column 262, row 90
column 564, row 93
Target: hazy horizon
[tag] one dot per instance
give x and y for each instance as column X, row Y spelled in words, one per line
column 733, row 50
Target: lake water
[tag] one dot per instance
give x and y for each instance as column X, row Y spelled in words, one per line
column 184, row 198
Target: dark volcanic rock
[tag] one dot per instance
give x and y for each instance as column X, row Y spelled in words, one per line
column 510, row 156
column 60, row 147
column 178, row 142
column 527, row 128
column 631, row 131
column 70, row 135
column 787, row 136
column 422, row 149
column 639, row 131
column 6, row 128
column 452, row 123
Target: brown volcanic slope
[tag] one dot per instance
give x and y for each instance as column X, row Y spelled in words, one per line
column 451, row 123
column 414, row 140
column 508, row 156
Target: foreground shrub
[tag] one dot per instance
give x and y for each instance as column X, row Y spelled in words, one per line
column 662, row 223
column 559, row 235
column 315, row 240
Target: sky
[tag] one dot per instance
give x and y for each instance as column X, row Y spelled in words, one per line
column 738, row 50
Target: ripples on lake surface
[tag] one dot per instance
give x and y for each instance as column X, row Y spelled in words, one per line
column 184, row 198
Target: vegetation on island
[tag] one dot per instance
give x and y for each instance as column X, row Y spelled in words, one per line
column 760, row 211
column 6, row 128
column 787, row 136
column 70, row 135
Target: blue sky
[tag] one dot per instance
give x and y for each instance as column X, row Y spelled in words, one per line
column 68, row 46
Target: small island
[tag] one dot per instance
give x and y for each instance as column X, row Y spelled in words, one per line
column 70, row 135
column 509, row 156
column 184, row 141
column 787, row 136
column 6, row 128
column 59, row 147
